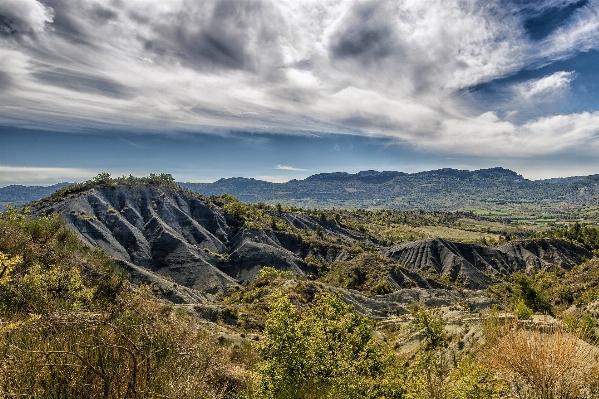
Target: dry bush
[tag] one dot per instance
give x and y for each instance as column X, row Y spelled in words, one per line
column 71, row 326
column 147, row 351
column 544, row 362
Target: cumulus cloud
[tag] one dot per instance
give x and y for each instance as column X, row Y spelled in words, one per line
column 333, row 66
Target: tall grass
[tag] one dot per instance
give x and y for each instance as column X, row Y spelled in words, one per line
column 542, row 362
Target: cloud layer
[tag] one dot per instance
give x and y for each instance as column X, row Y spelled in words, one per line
column 393, row 68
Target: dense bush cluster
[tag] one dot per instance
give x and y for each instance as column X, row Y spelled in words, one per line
column 71, row 326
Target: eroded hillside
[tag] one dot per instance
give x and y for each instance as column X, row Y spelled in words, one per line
column 193, row 247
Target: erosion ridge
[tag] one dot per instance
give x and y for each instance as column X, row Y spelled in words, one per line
column 191, row 248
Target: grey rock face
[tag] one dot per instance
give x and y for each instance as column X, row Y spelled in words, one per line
column 475, row 265
column 175, row 235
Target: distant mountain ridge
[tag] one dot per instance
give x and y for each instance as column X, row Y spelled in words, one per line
column 441, row 189
column 18, row 195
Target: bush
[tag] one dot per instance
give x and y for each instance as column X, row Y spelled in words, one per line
column 431, row 327
column 327, row 351
column 521, row 311
column 543, row 363
column 532, row 295
column 71, row 326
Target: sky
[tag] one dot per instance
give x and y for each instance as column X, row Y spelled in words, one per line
column 284, row 89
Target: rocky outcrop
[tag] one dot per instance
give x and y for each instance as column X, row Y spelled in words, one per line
column 474, row 266
column 175, row 235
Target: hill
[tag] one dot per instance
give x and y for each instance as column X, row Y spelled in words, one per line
column 252, row 294
column 194, row 247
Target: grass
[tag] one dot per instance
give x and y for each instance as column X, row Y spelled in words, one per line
column 542, row 362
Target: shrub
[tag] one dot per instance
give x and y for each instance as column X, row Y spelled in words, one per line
column 71, row 326
column 429, row 326
column 543, row 363
column 327, row 351
column 521, row 311
column 472, row 380
column 532, row 295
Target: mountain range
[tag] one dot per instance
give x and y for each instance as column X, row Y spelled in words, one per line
column 442, row 189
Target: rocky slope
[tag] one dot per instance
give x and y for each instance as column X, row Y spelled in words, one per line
column 190, row 248
column 475, row 266
column 175, row 235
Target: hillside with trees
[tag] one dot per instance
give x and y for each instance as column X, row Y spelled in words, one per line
column 137, row 287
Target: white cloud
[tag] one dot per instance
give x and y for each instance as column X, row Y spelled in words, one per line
column 487, row 135
column 42, row 175
column 285, row 167
column 339, row 66
column 547, row 86
column 25, row 16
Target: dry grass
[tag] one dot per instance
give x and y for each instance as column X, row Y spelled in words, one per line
column 150, row 353
column 455, row 234
column 542, row 362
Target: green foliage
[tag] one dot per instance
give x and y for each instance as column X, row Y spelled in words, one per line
column 471, row 380
column 430, row 326
column 577, row 232
column 270, row 273
column 582, row 326
column 49, row 275
column 326, row 352
column 102, row 178
column 531, row 294
column 382, row 288
column 431, row 376
column 491, row 326
column 71, row 326
column 318, row 231
column 250, row 216
column 7, row 264
column 366, row 272
column 521, row 311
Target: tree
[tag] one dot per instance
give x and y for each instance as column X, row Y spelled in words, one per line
column 319, row 232
column 430, row 326
column 531, row 294
column 327, row 351
column 102, row 178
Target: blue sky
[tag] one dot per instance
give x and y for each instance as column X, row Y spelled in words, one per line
column 284, row 89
